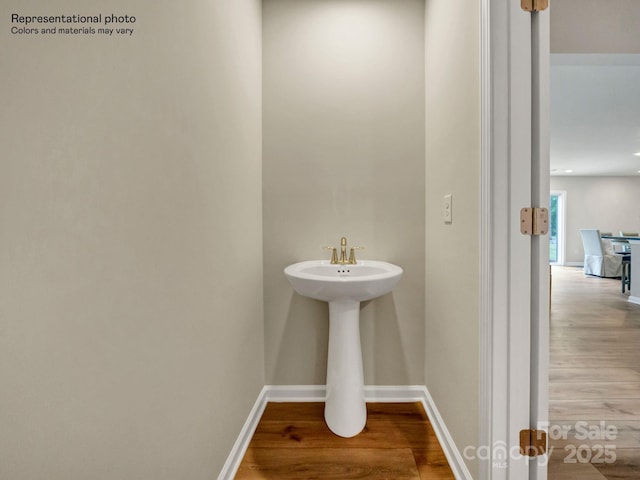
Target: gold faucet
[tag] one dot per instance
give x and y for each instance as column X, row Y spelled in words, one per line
column 343, row 260
column 343, row 251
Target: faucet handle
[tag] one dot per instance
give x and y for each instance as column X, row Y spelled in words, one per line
column 352, row 254
column 334, row 253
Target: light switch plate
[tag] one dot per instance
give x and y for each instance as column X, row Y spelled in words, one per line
column 448, row 210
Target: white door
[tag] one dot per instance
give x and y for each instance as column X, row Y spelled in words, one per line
column 515, row 333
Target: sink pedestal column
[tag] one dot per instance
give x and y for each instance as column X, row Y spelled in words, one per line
column 345, row 410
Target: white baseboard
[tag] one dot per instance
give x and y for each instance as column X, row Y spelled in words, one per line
column 234, row 459
column 574, row 264
column 635, row 300
column 317, row 393
column 451, row 451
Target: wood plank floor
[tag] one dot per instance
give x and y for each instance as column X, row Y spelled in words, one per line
column 293, row 442
column 594, row 377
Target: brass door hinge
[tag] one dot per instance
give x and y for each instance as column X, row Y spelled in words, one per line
column 534, row 5
column 533, row 442
column 534, row 221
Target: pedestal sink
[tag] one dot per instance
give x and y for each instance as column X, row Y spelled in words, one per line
column 344, row 287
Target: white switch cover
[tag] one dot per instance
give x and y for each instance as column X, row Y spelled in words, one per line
column 448, row 212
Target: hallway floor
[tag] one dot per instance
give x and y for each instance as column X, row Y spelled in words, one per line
column 594, row 379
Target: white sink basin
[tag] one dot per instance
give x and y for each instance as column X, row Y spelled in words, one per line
column 344, row 287
column 321, row 280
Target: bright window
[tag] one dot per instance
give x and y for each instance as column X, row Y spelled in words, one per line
column 556, row 227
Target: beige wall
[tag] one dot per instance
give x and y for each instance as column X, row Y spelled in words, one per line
column 595, row 26
column 452, row 254
column 344, row 155
column 606, row 203
column 132, row 341
column 131, row 334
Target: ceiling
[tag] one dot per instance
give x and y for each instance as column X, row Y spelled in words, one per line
column 595, row 114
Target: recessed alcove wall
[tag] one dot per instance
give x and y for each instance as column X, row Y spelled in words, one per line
column 343, row 130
